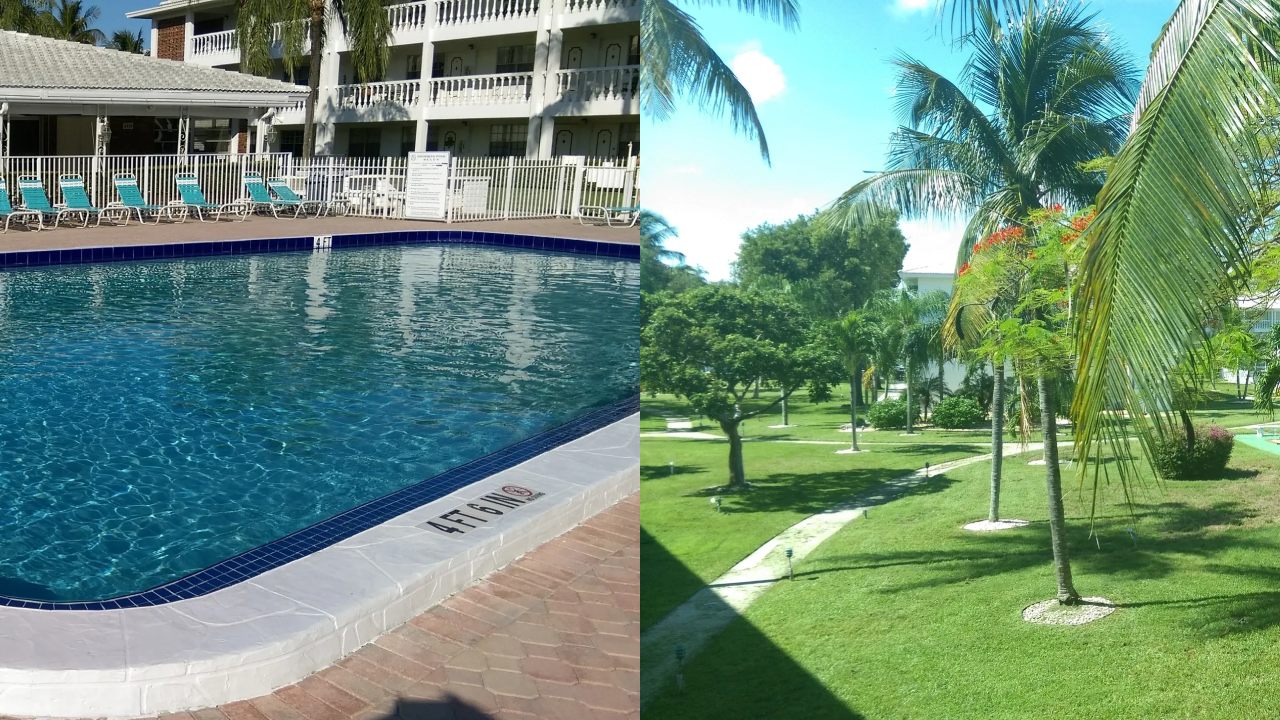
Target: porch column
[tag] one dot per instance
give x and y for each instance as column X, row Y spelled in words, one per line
column 261, row 145
column 186, row 35
column 546, row 65
column 4, row 131
column 327, row 102
column 424, row 96
column 101, row 144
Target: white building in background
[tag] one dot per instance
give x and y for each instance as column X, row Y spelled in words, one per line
column 538, row 78
column 923, row 280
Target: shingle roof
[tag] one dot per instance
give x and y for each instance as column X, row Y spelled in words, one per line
column 30, row 61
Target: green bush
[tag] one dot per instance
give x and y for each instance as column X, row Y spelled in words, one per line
column 958, row 412
column 889, row 414
column 1205, row 460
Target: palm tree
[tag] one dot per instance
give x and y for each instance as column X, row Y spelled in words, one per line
column 1184, row 187
column 122, row 40
column 662, row 268
column 909, row 325
column 855, row 335
column 70, row 20
column 677, row 61
column 1060, row 94
column 301, row 25
column 20, row 15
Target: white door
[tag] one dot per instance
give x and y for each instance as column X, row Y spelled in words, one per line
column 604, row 143
column 574, row 60
column 564, row 142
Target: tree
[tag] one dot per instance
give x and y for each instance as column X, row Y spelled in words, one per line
column 709, row 345
column 125, row 42
column 1059, row 95
column 302, row 27
column 660, row 268
column 910, row 325
column 677, row 61
column 20, row 15
column 855, row 338
column 70, row 20
column 828, row 270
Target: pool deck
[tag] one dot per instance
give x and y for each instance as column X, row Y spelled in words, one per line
column 63, row 238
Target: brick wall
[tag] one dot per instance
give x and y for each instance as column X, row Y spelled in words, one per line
column 171, row 38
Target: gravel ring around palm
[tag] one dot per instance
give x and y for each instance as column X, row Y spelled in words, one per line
column 1051, row 612
column 995, row 525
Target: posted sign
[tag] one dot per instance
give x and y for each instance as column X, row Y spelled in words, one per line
column 426, row 186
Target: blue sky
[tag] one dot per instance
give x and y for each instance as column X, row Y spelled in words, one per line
column 824, row 94
column 113, row 18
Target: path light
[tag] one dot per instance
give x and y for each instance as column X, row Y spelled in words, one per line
column 926, row 468
column 715, row 500
column 680, row 667
column 671, row 467
column 1133, row 535
column 790, row 574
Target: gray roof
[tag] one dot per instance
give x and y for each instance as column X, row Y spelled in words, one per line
column 29, row 61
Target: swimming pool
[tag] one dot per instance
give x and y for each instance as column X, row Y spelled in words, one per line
column 157, row 418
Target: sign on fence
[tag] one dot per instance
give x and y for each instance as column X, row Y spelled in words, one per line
column 426, row 186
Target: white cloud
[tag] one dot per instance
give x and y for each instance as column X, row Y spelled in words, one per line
column 758, row 73
column 933, row 244
column 907, row 7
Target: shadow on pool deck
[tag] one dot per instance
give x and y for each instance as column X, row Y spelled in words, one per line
column 268, row 227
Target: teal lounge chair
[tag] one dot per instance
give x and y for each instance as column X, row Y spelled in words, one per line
column 193, row 200
column 76, row 200
column 132, row 201
column 35, row 199
column 9, row 214
column 285, row 194
column 260, row 197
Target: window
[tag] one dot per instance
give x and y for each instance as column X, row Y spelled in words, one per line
column 413, row 67
column 408, row 136
column 507, row 139
column 210, row 135
column 633, row 53
column 301, row 74
column 629, row 139
column 204, row 27
column 364, row 142
column 515, row 58
column 290, row 141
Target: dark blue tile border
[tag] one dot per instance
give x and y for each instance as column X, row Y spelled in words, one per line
column 170, row 251
column 346, row 524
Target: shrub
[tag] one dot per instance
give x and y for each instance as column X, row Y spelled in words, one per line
column 958, row 412
column 1207, row 459
column 889, row 414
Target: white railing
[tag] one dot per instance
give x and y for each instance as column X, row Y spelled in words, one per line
column 214, row 43
column 498, row 89
column 602, row 83
column 368, row 187
column 506, row 188
column 460, row 12
column 220, row 175
column 395, row 92
column 409, row 16
column 590, row 5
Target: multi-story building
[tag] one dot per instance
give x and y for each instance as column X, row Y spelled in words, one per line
column 538, row 78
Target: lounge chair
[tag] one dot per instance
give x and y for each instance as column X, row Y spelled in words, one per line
column 193, row 200
column 132, row 202
column 260, row 197
column 36, row 200
column 285, row 194
column 612, row 216
column 76, row 201
column 9, row 214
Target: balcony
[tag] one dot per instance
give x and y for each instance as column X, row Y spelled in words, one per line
column 603, row 90
column 503, row 94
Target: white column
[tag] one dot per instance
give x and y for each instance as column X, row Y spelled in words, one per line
column 187, row 32
column 155, row 39
column 4, row 131
column 184, row 134
column 424, row 98
column 546, row 62
column 327, row 98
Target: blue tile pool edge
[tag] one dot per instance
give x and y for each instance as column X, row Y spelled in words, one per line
column 171, row 251
column 298, row 544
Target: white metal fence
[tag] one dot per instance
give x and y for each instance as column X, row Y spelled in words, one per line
column 479, row 188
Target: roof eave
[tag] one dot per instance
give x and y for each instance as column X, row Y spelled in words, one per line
column 107, row 96
column 170, row 9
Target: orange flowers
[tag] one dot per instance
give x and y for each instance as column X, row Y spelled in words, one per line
column 1079, row 224
column 963, row 269
column 998, row 237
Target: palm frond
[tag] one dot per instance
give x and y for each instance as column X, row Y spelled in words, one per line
column 784, row 12
column 1171, row 226
column 912, row 192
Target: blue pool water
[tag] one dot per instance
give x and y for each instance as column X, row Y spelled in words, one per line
column 156, row 418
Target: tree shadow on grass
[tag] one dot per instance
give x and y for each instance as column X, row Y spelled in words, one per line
column 811, row 493
column 659, row 472
column 738, row 673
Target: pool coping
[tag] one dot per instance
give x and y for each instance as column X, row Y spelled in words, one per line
column 248, row 639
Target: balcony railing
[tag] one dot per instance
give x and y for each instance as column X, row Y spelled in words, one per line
column 590, row 5
column 460, row 12
column 403, row 93
column 214, row 43
column 603, row 83
column 500, row 89
column 410, row 16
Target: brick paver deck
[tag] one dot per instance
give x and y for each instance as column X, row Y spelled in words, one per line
column 553, row 636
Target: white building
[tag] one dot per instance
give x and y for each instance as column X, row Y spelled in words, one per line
column 538, row 78
column 923, row 280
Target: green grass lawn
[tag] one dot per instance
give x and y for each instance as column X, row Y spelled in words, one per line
column 685, row 542
column 905, row 615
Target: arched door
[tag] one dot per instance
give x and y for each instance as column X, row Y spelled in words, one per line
column 604, row 143
column 564, row 142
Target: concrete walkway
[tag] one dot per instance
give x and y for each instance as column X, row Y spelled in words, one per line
column 555, row 635
column 705, row 614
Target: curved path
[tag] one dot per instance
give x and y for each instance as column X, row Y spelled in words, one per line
column 710, row 609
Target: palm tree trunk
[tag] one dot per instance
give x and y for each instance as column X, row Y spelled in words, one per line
column 997, row 437
column 316, row 33
column 908, row 397
column 1067, row 594
column 853, row 412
